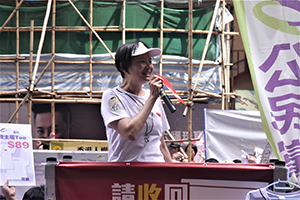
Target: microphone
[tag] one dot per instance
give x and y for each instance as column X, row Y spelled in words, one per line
column 167, row 100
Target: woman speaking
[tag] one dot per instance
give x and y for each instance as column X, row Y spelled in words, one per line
column 134, row 116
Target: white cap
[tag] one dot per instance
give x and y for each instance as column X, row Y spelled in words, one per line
column 142, row 49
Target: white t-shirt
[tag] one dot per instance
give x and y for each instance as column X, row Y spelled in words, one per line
column 266, row 194
column 117, row 104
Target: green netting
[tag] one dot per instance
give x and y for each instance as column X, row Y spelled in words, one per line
column 139, row 15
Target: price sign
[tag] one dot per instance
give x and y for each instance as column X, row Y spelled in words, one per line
column 16, row 155
column 18, row 145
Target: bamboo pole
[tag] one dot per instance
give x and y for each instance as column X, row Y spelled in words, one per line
column 76, row 100
column 161, row 35
column 90, row 101
column 18, row 107
column 12, row 14
column 223, row 105
column 91, row 28
column 91, row 48
column 227, row 60
column 197, row 93
column 10, row 58
column 66, row 28
column 107, row 62
column 40, row 44
column 207, row 42
column 31, row 49
column 45, row 69
column 197, row 97
column 195, row 139
column 30, row 65
column 204, row 51
column 66, row 140
column 52, row 69
column 52, row 136
column 53, row 44
column 124, row 22
column 17, row 58
column 115, row 29
column 190, row 75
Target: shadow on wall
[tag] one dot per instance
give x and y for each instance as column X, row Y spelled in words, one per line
column 180, row 123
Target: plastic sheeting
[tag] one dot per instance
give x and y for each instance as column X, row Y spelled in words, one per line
column 228, row 132
column 107, row 14
column 76, row 77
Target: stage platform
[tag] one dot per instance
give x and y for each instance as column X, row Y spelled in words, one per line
column 150, row 180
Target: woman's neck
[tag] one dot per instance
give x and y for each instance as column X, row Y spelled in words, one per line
column 137, row 90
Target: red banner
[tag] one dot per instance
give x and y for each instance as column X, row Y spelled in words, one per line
column 143, row 181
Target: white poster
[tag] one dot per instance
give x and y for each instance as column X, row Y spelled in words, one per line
column 16, row 155
column 230, row 132
column 270, row 32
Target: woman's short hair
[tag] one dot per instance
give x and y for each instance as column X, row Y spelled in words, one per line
column 123, row 56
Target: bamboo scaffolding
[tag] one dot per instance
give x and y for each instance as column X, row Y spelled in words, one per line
column 204, row 52
column 94, row 97
column 91, row 28
column 12, row 14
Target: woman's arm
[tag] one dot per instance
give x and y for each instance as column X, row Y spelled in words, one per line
column 164, row 150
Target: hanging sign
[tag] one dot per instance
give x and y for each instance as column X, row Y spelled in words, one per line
column 270, row 32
